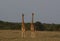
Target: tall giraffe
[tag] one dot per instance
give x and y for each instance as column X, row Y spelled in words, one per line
column 23, row 26
column 32, row 27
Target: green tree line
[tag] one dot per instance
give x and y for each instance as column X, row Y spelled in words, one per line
column 37, row 25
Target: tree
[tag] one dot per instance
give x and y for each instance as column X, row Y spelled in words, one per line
column 39, row 26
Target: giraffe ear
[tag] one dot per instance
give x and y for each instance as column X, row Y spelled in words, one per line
column 32, row 13
column 22, row 14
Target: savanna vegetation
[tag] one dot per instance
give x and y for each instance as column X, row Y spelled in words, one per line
column 38, row 26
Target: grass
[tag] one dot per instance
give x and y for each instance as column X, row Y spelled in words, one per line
column 15, row 35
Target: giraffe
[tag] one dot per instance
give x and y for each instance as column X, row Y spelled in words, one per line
column 23, row 26
column 32, row 27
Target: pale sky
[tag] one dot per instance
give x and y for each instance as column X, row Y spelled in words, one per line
column 46, row 11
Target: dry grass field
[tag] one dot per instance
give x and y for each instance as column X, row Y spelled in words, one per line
column 15, row 35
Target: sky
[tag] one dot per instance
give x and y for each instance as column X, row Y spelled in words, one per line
column 45, row 11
